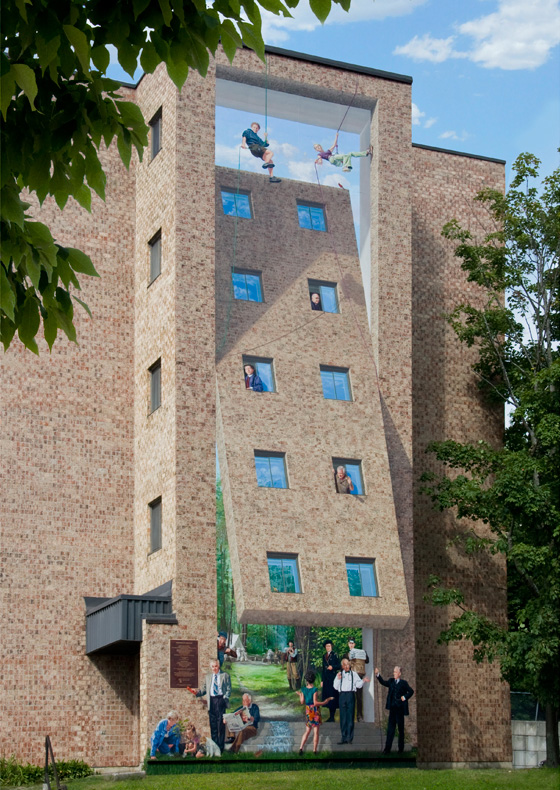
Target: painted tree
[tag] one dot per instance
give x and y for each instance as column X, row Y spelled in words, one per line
column 58, row 108
column 513, row 490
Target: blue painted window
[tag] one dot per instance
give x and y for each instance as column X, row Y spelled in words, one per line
column 271, row 469
column 283, row 573
column 361, row 577
column 247, row 285
column 354, row 472
column 311, row 217
column 264, row 370
column 236, row 204
column 336, row 383
column 327, row 293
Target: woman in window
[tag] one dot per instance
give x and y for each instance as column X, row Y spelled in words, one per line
column 338, row 160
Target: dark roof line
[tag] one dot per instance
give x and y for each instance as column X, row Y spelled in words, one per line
column 338, row 64
column 459, row 153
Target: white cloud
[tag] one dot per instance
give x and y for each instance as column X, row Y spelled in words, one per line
column 435, row 50
column 452, row 135
column 228, row 156
column 302, row 170
column 416, row 115
column 277, row 29
column 334, row 180
column 518, row 35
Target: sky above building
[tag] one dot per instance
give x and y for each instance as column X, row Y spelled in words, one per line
column 486, row 76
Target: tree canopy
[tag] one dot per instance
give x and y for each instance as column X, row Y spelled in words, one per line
column 514, row 490
column 58, row 107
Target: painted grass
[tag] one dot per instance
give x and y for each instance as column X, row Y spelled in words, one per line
column 265, row 680
column 388, row 779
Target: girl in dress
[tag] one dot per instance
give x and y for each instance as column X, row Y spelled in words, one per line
column 308, row 697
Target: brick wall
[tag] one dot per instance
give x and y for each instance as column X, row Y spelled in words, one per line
column 463, row 708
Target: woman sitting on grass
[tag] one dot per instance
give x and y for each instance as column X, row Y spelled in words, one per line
column 308, row 697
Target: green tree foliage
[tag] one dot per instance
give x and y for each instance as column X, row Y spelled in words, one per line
column 514, row 491
column 58, row 108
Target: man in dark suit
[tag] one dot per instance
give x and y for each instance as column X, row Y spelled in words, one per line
column 217, row 686
column 397, row 704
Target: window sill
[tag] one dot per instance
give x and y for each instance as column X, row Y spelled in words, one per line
column 155, row 278
column 151, row 553
column 153, row 411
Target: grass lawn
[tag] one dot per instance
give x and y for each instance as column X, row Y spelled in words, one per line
column 396, row 778
column 264, row 680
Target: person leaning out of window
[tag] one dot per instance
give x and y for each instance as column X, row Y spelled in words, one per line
column 342, row 481
column 252, row 379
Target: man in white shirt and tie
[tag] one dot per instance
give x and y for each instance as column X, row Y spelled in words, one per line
column 347, row 682
column 218, row 686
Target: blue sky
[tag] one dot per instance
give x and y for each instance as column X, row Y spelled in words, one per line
column 486, row 75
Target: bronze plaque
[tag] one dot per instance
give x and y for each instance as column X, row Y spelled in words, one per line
column 183, row 663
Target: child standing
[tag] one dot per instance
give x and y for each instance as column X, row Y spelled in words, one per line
column 308, row 697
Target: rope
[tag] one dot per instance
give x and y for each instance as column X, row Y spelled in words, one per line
column 223, row 341
column 346, row 113
column 265, row 97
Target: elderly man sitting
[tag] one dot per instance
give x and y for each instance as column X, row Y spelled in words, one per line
column 251, row 716
column 166, row 736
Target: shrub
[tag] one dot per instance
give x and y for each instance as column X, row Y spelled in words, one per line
column 14, row 773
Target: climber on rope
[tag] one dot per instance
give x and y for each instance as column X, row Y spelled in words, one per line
column 339, row 160
column 259, row 148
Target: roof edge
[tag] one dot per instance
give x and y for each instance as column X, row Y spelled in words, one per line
column 337, row 64
column 459, row 153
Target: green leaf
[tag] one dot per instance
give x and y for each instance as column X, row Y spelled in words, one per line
column 229, row 43
column 166, row 11
column 47, row 51
column 101, row 58
column 321, row 8
column 7, row 331
column 20, row 5
column 7, row 90
column 80, row 44
column 131, row 114
column 84, row 305
column 178, row 72
column 252, row 38
column 7, row 294
column 138, row 6
column 124, row 146
column 29, row 321
column 83, row 195
column 50, row 327
column 80, row 262
column 13, row 207
column 149, row 58
column 25, row 78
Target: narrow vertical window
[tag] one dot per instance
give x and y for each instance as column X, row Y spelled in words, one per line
column 155, row 256
column 155, row 386
column 155, row 133
column 155, row 525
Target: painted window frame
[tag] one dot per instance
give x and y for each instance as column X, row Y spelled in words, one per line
column 255, row 362
column 338, row 461
column 292, row 561
column 316, row 286
column 236, row 270
column 363, row 563
column 333, row 369
column 235, row 194
column 308, row 204
column 272, row 454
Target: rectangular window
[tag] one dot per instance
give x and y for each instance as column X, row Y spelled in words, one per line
column 328, row 296
column 264, row 370
column 311, row 217
column 247, row 285
column 353, row 471
column 271, row 469
column 283, row 573
column 155, row 256
column 155, row 386
column 361, row 577
column 155, row 525
column 236, row 204
column 155, row 130
column 336, row 383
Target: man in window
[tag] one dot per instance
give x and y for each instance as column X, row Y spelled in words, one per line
column 258, row 147
column 252, row 379
column 315, row 301
column 342, row 481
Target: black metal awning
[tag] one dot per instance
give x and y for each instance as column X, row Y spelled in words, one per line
column 114, row 625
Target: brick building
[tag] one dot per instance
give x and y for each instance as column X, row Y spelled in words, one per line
column 109, row 447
